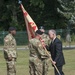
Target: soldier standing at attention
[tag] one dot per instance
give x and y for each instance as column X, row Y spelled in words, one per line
column 46, row 40
column 10, row 51
column 37, row 55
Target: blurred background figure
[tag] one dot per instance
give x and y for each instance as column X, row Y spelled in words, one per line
column 59, row 37
column 68, row 40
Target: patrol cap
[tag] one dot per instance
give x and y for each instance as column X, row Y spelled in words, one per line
column 41, row 27
column 39, row 32
column 12, row 28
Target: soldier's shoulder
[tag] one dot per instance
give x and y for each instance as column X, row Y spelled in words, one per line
column 34, row 41
column 8, row 37
column 45, row 36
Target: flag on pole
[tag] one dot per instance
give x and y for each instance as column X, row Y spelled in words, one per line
column 30, row 24
column 32, row 28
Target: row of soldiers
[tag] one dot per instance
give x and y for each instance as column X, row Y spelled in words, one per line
column 38, row 46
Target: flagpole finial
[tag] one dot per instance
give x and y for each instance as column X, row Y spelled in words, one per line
column 19, row 1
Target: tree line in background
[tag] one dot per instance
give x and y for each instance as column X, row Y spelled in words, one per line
column 48, row 13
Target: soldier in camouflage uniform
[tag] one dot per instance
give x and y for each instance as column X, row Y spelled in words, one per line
column 45, row 37
column 37, row 55
column 10, row 51
column 46, row 40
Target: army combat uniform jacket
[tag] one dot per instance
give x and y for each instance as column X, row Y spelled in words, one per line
column 9, row 47
column 46, row 39
column 36, row 49
column 37, row 54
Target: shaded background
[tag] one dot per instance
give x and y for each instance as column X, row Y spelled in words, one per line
column 51, row 14
column 48, row 13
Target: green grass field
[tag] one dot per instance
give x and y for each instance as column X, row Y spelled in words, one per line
column 23, row 68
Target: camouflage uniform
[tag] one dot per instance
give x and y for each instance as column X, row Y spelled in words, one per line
column 45, row 62
column 37, row 54
column 46, row 39
column 10, row 52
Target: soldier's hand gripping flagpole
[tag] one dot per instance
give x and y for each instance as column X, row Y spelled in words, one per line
column 32, row 28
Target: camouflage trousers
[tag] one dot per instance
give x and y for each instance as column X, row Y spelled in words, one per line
column 45, row 67
column 11, row 70
column 38, row 67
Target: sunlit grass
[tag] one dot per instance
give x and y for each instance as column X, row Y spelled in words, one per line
column 22, row 65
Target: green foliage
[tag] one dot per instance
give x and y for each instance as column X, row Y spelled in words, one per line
column 47, row 13
column 38, row 3
column 68, row 8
